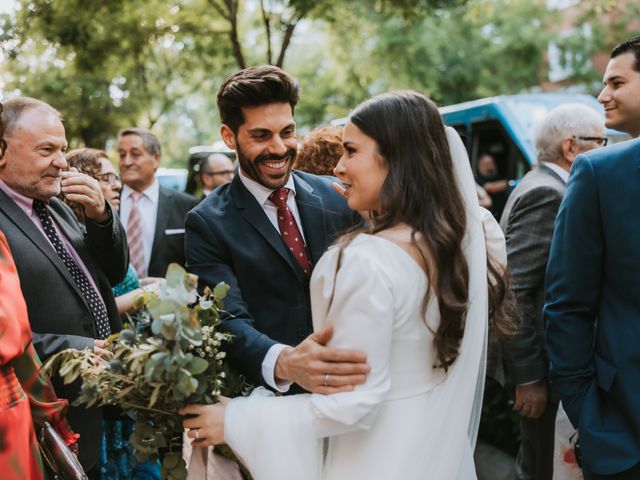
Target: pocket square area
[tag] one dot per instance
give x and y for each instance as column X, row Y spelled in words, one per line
column 174, row 231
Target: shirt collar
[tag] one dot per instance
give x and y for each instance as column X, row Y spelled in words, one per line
column 260, row 192
column 24, row 202
column 561, row 172
column 152, row 192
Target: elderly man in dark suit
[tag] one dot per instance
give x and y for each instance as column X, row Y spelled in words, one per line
column 66, row 269
column 153, row 215
column 262, row 233
column 527, row 221
column 592, row 305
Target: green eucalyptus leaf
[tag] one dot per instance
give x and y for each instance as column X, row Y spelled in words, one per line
column 175, row 275
column 154, row 396
column 206, row 304
column 155, row 327
column 220, row 291
column 197, row 365
column 160, row 307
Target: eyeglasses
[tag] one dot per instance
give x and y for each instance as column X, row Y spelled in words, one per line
column 602, row 141
column 221, row 172
column 109, row 178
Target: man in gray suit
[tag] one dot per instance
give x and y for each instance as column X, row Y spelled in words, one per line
column 527, row 221
column 66, row 268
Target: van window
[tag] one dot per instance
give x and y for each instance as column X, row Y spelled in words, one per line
column 491, row 137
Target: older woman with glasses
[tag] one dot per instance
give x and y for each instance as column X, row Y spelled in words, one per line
column 96, row 163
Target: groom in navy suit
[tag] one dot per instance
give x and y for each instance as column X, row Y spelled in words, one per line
column 262, row 233
column 592, row 306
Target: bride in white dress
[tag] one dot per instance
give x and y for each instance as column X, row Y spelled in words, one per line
column 411, row 291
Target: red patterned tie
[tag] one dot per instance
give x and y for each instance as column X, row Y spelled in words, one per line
column 289, row 230
column 134, row 236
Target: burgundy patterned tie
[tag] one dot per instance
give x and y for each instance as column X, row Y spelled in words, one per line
column 134, row 236
column 289, row 230
column 94, row 301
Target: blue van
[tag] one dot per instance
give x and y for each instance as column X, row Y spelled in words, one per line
column 503, row 126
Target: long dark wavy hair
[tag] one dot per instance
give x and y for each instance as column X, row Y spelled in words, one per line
column 421, row 190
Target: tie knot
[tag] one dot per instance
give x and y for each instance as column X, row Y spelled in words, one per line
column 40, row 208
column 135, row 196
column 279, row 197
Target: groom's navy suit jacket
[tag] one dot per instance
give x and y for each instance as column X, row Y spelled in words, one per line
column 229, row 238
column 592, row 306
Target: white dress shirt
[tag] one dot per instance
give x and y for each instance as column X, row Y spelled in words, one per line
column 148, row 208
column 261, row 194
column 562, row 173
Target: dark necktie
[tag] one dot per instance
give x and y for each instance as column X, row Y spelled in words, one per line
column 96, row 305
column 289, row 230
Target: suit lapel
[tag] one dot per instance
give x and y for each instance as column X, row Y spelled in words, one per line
column 312, row 216
column 254, row 215
column 162, row 219
column 26, row 225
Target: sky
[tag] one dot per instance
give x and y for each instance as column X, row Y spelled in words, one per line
column 6, row 5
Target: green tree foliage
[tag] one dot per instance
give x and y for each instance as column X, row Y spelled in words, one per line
column 158, row 63
column 458, row 53
column 112, row 64
column 599, row 26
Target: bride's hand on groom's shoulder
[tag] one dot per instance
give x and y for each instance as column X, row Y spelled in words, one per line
column 205, row 423
column 321, row 369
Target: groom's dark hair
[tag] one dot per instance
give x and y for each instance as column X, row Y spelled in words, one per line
column 253, row 87
column 630, row 46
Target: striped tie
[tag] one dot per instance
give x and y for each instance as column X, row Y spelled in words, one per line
column 134, row 236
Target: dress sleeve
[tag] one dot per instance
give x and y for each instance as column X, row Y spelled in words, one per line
column 280, row 437
column 14, row 333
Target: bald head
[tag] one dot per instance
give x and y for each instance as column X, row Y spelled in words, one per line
column 217, row 169
column 14, row 108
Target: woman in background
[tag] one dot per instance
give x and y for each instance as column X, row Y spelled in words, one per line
column 320, row 151
column 96, row 164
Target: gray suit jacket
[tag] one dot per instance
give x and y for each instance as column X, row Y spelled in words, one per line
column 527, row 222
column 58, row 313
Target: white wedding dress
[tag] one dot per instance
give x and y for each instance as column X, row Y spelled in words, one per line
column 409, row 420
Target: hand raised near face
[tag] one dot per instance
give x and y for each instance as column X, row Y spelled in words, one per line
column 85, row 190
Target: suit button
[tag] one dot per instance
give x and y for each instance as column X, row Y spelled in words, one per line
column 87, row 328
column 301, row 332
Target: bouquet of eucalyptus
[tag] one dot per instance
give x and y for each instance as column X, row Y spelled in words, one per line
column 169, row 355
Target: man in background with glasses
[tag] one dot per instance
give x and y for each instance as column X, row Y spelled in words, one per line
column 527, row 221
column 592, row 309
column 215, row 170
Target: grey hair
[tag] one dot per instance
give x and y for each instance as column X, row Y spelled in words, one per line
column 149, row 140
column 571, row 119
column 15, row 107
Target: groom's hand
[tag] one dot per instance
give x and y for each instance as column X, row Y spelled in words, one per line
column 321, row 369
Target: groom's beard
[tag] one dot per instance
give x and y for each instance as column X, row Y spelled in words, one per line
column 252, row 168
